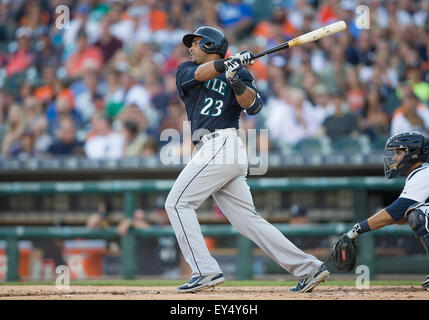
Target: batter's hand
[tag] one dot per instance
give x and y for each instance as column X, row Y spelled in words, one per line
column 232, row 67
column 245, row 57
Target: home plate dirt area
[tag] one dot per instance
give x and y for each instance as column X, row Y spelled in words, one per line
column 49, row 292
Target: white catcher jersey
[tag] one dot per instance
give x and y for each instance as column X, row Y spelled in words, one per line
column 417, row 184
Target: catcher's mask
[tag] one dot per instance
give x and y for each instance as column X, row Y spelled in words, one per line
column 415, row 147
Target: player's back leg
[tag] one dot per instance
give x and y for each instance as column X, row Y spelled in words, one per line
column 236, row 203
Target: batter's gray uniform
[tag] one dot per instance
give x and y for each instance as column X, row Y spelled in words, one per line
column 219, row 169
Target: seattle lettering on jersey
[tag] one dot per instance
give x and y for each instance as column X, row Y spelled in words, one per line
column 216, row 85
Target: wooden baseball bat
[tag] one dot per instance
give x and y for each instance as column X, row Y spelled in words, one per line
column 307, row 37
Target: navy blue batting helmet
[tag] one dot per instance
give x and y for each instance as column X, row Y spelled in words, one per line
column 213, row 40
column 416, row 147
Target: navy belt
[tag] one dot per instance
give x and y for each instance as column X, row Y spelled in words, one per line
column 209, row 137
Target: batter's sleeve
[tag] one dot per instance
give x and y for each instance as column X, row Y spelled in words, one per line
column 185, row 77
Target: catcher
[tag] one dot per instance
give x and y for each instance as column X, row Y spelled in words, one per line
column 410, row 156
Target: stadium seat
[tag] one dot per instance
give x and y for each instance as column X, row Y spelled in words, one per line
column 379, row 142
column 346, row 144
column 317, row 145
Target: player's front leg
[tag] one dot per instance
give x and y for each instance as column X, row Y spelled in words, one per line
column 200, row 178
column 181, row 203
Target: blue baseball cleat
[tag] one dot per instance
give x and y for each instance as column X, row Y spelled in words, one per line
column 425, row 283
column 307, row 284
column 200, row 283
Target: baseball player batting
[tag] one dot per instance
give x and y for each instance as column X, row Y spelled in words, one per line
column 410, row 156
column 215, row 91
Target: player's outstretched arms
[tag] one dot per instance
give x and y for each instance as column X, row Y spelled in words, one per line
column 379, row 220
column 394, row 213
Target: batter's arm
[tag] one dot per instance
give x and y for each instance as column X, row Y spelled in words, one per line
column 247, row 98
column 209, row 70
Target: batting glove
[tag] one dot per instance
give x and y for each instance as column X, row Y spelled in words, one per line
column 232, row 67
column 245, row 57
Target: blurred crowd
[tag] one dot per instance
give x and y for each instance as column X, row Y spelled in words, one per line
column 102, row 85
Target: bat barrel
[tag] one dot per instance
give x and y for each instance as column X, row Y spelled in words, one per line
column 308, row 37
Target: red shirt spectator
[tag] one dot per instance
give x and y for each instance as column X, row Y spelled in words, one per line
column 85, row 56
column 23, row 58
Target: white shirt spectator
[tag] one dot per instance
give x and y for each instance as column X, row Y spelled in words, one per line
column 104, row 143
column 400, row 123
column 284, row 122
column 139, row 96
column 322, row 112
column 105, row 147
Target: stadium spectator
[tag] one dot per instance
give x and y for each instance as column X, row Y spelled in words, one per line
column 134, row 139
column 25, row 146
column 107, row 43
column 6, row 100
column 124, row 25
column 85, row 90
column 15, row 127
column 236, row 17
column 417, row 84
column 174, row 117
column 33, row 111
column 26, row 90
column 322, row 104
column 412, row 115
column 103, row 143
column 374, row 120
column 150, row 148
column 23, row 58
column 100, row 219
column 86, row 55
column 334, row 74
column 355, row 94
column 6, row 20
column 294, row 120
column 80, row 23
column 342, row 123
column 134, row 92
column 365, row 49
column 47, row 55
column 143, row 61
column 63, row 106
column 46, row 91
column 66, row 143
column 139, row 221
column 42, row 139
column 134, row 114
column 114, row 93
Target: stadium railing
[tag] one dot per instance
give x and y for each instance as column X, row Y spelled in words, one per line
column 360, row 186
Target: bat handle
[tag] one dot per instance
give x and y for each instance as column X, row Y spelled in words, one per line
column 260, row 54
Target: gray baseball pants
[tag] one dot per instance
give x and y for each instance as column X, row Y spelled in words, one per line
column 219, row 169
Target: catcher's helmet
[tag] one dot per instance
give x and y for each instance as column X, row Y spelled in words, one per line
column 416, row 147
column 213, row 41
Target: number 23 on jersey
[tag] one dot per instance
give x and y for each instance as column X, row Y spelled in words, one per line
column 212, row 107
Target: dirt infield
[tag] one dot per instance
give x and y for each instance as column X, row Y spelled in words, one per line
column 36, row 292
